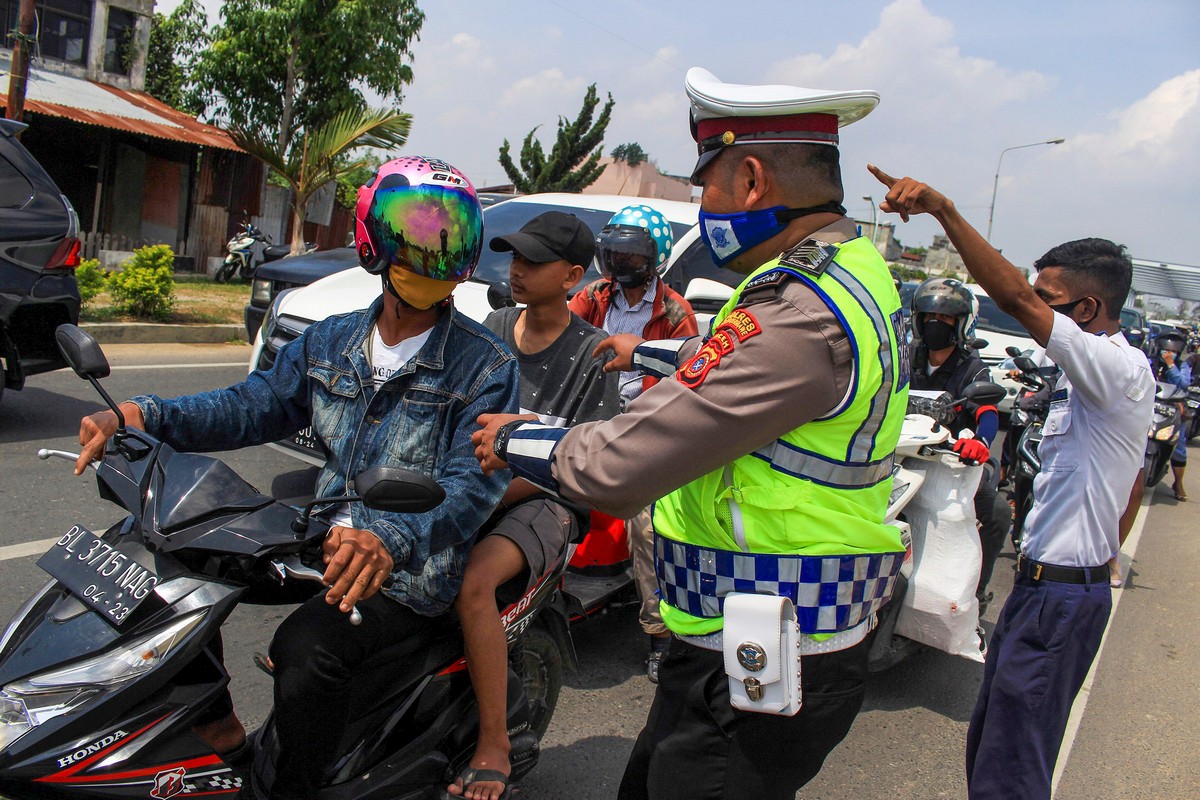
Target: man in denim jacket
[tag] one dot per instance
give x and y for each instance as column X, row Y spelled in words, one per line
column 400, row 383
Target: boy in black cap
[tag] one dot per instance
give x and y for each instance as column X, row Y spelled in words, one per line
column 561, row 384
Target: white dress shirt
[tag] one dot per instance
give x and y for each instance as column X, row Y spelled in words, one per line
column 1093, row 443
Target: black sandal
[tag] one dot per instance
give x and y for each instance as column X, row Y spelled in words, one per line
column 470, row 775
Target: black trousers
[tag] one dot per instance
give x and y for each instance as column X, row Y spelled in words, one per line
column 316, row 652
column 696, row 745
column 995, row 518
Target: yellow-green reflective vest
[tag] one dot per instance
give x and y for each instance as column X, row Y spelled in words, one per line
column 823, row 488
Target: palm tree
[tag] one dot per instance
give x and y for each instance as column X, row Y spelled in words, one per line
column 319, row 156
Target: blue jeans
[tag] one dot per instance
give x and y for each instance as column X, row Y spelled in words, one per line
column 1039, row 654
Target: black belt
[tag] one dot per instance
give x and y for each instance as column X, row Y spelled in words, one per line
column 1037, row 571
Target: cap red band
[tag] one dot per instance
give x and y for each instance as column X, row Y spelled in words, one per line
column 790, row 123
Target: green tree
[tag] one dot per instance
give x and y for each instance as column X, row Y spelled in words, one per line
column 574, row 161
column 323, row 154
column 631, row 153
column 278, row 68
column 175, row 44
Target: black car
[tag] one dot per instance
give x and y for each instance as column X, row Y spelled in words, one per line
column 274, row 277
column 39, row 251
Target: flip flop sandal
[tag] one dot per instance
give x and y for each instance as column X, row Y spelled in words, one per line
column 1180, row 494
column 470, row 775
column 263, row 662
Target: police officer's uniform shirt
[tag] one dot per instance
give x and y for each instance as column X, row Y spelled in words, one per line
column 798, row 368
column 1093, row 443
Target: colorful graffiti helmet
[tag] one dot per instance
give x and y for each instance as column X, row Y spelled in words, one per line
column 422, row 215
column 635, row 244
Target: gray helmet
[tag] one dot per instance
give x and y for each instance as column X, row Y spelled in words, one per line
column 945, row 296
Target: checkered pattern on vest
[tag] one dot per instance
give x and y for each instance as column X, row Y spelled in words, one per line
column 831, row 593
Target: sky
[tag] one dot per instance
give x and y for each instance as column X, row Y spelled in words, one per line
column 960, row 81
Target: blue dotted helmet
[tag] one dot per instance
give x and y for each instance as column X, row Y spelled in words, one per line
column 634, row 246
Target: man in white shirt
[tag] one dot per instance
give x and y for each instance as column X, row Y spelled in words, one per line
column 1092, row 448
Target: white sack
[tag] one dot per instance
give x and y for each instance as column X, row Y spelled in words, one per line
column 940, row 608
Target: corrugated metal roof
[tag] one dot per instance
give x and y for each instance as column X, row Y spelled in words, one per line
column 93, row 103
column 1166, row 280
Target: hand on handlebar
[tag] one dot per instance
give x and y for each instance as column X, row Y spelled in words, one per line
column 96, row 429
column 971, row 451
column 357, row 565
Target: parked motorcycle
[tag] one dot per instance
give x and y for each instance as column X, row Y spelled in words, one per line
column 247, row 249
column 94, row 698
column 1166, row 426
column 932, row 503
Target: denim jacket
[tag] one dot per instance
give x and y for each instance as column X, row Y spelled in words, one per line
column 421, row 419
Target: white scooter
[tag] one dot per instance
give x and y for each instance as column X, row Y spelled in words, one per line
column 933, row 505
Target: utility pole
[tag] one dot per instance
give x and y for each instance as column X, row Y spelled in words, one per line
column 19, row 74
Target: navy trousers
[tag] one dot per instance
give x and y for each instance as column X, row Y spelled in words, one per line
column 1044, row 643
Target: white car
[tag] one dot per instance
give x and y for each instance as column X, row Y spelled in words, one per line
column 690, row 271
column 1000, row 331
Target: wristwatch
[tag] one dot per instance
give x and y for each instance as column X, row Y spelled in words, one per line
column 500, row 445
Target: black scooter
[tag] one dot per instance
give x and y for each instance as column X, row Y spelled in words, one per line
column 105, row 669
column 1025, row 428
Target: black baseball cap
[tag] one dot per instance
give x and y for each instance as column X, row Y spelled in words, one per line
column 550, row 236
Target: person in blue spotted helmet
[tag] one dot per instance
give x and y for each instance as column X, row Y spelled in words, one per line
column 632, row 251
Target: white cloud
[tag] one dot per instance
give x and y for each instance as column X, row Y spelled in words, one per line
column 544, row 88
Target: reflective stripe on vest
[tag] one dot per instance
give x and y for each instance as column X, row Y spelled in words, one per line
column 831, row 593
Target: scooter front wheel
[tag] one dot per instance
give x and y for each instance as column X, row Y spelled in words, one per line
column 225, row 271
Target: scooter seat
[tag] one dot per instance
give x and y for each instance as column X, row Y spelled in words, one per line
column 276, row 251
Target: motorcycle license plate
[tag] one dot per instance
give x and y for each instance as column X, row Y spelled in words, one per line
column 306, row 441
column 1193, row 403
column 98, row 574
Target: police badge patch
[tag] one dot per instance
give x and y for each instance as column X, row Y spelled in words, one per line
column 737, row 327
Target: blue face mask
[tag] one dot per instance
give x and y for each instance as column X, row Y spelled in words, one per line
column 728, row 235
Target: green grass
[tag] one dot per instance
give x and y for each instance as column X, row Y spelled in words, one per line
column 198, row 300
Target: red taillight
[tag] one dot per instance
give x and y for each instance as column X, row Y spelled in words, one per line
column 66, row 256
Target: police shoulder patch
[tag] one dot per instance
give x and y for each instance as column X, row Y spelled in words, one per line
column 811, row 256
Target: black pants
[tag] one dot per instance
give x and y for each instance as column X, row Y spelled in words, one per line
column 994, row 516
column 316, row 651
column 696, row 745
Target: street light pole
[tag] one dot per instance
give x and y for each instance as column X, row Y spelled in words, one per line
column 996, row 182
column 874, row 219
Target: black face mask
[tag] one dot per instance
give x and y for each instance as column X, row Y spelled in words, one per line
column 1066, row 308
column 939, row 335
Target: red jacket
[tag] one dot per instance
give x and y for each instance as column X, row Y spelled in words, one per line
column 671, row 316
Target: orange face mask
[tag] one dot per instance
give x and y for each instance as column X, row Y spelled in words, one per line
column 418, row 291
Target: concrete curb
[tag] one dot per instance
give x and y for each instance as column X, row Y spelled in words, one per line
column 157, row 333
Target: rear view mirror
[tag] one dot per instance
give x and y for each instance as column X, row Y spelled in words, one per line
column 499, row 295
column 985, row 393
column 1013, row 351
column 978, row 344
column 1025, row 364
column 398, row 490
column 81, row 351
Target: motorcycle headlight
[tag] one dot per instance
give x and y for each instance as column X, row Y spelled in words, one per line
column 260, row 292
column 29, row 702
column 1164, row 434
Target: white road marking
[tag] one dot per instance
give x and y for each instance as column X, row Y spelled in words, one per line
column 26, row 549
column 182, row 366
column 39, row 546
column 1081, row 700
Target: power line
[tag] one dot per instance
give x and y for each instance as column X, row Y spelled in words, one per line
column 616, row 36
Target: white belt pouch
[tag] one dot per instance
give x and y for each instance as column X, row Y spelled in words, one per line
column 762, row 653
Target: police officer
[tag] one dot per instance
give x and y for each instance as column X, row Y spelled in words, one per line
column 943, row 320
column 768, row 451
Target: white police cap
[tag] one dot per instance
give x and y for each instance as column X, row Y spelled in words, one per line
column 725, row 114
